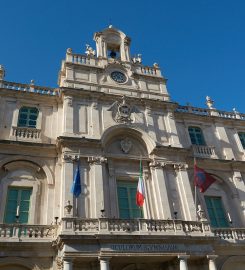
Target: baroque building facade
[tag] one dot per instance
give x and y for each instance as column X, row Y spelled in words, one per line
column 108, row 113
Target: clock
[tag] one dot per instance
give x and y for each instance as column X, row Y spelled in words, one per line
column 118, row 77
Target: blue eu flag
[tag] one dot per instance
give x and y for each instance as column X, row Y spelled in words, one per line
column 76, row 185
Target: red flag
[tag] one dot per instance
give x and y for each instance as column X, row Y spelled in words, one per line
column 202, row 179
column 140, row 194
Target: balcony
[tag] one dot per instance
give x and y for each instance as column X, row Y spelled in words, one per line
column 23, row 232
column 26, row 133
column 79, row 226
column 204, row 151
column 230, row 234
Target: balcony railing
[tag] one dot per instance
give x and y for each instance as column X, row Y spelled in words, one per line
column 204, row 151
column 30, row 88
column 25, row 232
column 26, row 133
column 134, row 226
column 210, row 112
column 230, row 234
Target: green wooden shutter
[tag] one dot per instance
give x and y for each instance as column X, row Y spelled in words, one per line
column 17, row 197
column 216, row 212
column 126, row 192
column 242, row 138
column 196, row 136
column 28, row 117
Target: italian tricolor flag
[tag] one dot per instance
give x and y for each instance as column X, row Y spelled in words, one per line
column 140, row 195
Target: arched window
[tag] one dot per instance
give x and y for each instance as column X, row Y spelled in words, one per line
column 196, row 136
column 28, row 117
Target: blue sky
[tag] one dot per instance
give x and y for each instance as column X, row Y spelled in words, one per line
column 199, row 44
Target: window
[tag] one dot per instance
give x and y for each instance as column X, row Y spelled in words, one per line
column 126, row 192
column 216, row 212
column 242, row 138
column 28, row 117
column 196, row 136
column 18, row 203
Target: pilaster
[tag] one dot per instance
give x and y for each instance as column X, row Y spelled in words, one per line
column 97, row 185
column 68, row 114
column 185, row 192
column 160, row 196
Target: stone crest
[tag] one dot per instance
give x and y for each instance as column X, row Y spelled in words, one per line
column 122, row 111
column 126, row 145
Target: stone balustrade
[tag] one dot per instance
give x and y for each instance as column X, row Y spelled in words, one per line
column 204, row 151
column 137, row 226
column 29, row 88
column 26, row 132
column 22, row 231
column 210, row 112
column 230, row 234
column 81, row 59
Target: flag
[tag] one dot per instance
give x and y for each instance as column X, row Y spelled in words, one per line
column 202, row 179
column 76, row 185
column 140, row 194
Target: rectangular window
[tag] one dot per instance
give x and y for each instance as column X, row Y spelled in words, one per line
column 216, row 212
column 28, row 117
column 242, row 138
column 18, row 201
column 196, row 136
column 126, row 192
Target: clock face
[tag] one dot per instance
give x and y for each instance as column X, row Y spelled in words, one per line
column 118, row 77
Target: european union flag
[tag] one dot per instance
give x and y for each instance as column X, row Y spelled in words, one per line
column 76, row 185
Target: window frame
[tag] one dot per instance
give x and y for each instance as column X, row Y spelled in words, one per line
column 241, row 135
column 19, row 202
column 216, row 216
column 129, row 184
column 197, row 141
column 28, row 119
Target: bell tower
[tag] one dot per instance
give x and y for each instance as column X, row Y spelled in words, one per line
column 112, row 43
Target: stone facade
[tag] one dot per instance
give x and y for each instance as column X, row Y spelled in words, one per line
column 108, row 113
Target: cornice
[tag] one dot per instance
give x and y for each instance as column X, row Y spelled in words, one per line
column 109, row 97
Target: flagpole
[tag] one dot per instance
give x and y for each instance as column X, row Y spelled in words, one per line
column 76, row 201
column 195, row 189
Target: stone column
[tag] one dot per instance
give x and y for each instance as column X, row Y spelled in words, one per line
column 104, row 263
column 183, row 262
column 97, row 185
column 160, row 195
column 67, row 264
column 211, row 262
column 185, row 192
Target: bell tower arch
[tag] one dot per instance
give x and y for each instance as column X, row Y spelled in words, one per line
column 112, row 43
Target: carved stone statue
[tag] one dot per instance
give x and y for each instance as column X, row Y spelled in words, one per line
column 137, row 59
column 89, row 50
column 2, row 72
column 209, row 102
column 201, row 213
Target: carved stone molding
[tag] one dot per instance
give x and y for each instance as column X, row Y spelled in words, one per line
column 121, row 111
column 59, row 263
column 126, row 145
column 157, row 164
column 97, row 160
column 180, row 166
column 70, row 157
column 68, row 100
